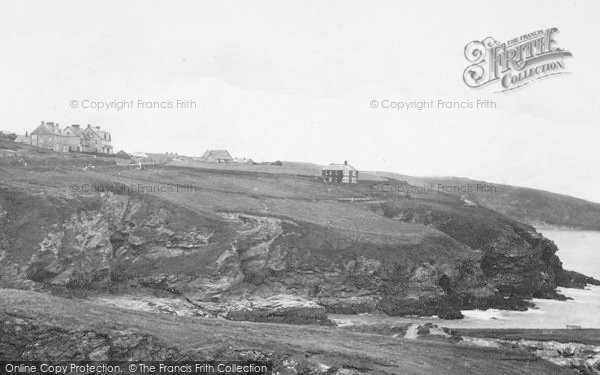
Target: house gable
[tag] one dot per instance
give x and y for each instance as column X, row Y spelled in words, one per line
column 46, row 128
column 73, row 130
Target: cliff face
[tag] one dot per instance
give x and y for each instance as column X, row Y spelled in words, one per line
column 516, row 260
column 346, row 274
column 249, row 265
column 229, row 262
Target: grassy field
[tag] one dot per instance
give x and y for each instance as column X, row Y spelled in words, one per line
column 523, row 204
column 297, row 197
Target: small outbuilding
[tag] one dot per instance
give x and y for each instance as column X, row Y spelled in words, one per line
column 217, row 156
column 23, row 139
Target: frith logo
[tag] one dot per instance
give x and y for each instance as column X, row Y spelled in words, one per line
column 515, row 63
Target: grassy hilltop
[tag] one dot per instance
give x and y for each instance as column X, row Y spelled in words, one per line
column 531, row 206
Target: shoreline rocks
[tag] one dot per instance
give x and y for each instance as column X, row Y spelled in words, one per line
column 280, row 309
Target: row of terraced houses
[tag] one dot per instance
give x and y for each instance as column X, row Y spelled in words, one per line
column 73, row 138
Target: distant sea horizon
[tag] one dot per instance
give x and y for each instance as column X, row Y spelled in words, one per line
column 579, row 250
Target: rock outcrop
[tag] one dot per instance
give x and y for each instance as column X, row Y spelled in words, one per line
column 519, row 262
column 30, row 340
column 270, row 268
column 283, row 309
column 585, row 359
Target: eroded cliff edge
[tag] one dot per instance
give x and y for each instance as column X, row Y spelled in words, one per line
column 432, row 257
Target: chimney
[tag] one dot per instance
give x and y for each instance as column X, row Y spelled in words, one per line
column 89, row 126
column 76, row 126
column 97, row 128
column 345, row 162
column 42, row 123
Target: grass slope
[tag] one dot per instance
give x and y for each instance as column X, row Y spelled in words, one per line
column 532, row 206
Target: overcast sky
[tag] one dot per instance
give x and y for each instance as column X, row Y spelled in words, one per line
column 293, row 80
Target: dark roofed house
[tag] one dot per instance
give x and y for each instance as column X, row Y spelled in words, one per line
column 217, row 156
column 48, row 135
column 98, row 141
column 72, row 138
column 344, row 173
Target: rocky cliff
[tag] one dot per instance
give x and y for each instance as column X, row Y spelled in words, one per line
column 516, row 259
column 435, row 257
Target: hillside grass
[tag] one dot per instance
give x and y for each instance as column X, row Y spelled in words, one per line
column 532, row 206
